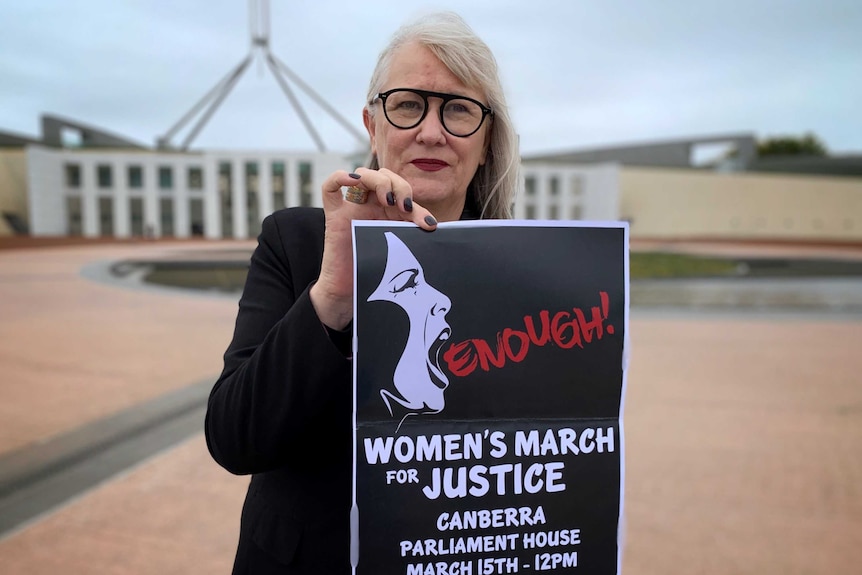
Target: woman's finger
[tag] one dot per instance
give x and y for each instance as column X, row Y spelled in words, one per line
column 402, row 192
column 391, row 190
column 332, row 187
column 386, row 189
column 409, row 210
column 379, row 184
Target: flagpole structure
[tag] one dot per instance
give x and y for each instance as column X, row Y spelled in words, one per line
column 203, row 110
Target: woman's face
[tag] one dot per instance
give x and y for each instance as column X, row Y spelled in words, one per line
column 418, row 377
column 437, row 165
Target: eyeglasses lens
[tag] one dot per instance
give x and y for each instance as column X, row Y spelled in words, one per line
column 405, row 109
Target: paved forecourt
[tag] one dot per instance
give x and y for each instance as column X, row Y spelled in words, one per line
column 742, row 430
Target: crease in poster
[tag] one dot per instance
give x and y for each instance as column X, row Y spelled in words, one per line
column 488, row 387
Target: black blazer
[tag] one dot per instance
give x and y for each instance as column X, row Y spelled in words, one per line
column 281, row 410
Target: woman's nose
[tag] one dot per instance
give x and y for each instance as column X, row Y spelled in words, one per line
column 441, row 304
column 431, row 130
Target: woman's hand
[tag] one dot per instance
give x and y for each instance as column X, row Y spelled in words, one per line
column 390, row 197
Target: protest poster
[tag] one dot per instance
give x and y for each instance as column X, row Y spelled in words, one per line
column 489, row 377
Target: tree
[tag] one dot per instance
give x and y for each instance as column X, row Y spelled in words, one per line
column 807, row 145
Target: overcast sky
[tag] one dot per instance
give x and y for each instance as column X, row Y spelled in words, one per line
column 578, row 73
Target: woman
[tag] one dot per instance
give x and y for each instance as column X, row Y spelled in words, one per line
column 442, row 148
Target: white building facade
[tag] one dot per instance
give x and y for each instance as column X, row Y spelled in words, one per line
column 226, row 194
column 562, row 192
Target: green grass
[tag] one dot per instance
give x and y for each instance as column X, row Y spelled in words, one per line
column 644, row 265
column 224, row 278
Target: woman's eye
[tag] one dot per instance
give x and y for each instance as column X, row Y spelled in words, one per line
column 409, row 106
column 404, row 280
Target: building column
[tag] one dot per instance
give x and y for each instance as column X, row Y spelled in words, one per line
column 152, row 222
column 321, row 167
column 565, row 194
column 212, row 203
column 291, row 182
column 542, row 194
column 89, row 199
column 182, row 225
column 239, row 198
column 122, row 213
column 264, row 186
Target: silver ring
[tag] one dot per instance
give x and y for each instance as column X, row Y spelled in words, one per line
column 356, row 195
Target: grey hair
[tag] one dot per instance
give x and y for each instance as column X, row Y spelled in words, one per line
column 469, row 58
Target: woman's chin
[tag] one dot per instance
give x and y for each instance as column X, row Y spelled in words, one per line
column 437, row 194
column 419, row 389
column 435, row 404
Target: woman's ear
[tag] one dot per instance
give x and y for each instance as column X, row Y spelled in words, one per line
column 486, row 145
column 371, row 127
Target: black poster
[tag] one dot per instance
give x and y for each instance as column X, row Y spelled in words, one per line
column 489, row 379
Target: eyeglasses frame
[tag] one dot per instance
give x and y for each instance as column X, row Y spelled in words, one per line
column 425, row 94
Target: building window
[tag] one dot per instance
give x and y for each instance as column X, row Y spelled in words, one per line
column 225, row 189
column 530, row 212
column 251, row 176
column 575, row 212
column 252, row 214
column 252, row 201
column 304, row 184
column 73, row 215
column 136, row 177
column 104, row 176
column 196, row 211
column 166, row 178
column 136, row 210
column 73, row 175
column 166, row 211
column 196, row 178
column 106, row 217
column 554, row 184
column 553, row 212
column 530, row 185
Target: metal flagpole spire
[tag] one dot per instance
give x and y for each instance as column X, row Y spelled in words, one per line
column 259, row 27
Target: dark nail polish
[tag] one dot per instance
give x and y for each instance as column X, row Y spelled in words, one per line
column 430, row 220
column 354, row 176
column 408, row 205
column 390, row 198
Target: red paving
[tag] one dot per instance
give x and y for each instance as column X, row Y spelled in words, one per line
column 743, row 435
column 74, row 351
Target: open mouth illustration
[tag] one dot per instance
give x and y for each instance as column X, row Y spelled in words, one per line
column 438, row 378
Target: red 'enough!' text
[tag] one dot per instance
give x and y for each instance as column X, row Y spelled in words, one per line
column 565, row 329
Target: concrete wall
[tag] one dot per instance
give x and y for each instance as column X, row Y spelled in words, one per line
column 669, row 154
column 13, row 186
column 667, row 203
column 90, row 137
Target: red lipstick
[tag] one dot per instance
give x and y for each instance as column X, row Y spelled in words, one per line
column 429, row 165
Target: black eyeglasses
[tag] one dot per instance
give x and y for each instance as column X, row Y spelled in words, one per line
column 406, row 108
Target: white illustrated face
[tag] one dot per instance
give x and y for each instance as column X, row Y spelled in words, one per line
column 418, row 377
